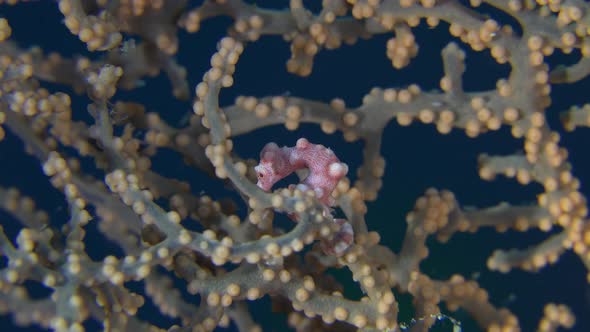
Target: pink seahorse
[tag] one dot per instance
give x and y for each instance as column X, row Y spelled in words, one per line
column 325, row 170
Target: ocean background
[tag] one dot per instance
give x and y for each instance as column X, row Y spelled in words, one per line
column 417, row 157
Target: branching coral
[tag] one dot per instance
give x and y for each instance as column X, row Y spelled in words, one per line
column 202, row 250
